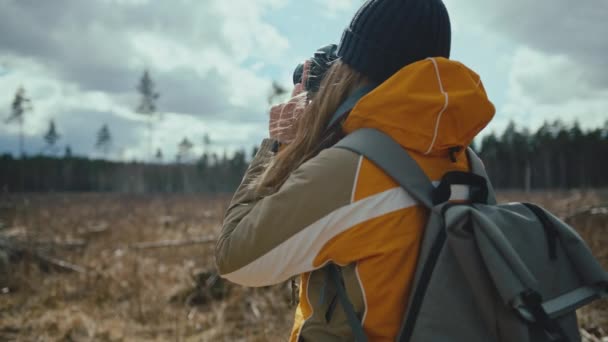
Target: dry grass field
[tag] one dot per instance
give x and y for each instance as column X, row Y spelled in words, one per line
column 98, row 280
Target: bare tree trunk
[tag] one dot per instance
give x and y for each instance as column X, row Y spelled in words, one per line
column 21, row 151
column 150, row 154
column 563, row 180
column 174, row 243
column 548, row 172
column 528, row 177
column 22, row 156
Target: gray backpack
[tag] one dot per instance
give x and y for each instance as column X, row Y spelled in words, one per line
column 487, row 271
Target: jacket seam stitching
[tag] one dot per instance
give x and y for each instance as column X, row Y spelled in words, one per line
column 445, row 105
column 352, row 196
column 362, row 293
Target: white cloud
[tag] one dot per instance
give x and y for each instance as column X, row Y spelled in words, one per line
column 545, row 87
column 80, row 113
column 332, row 8
column 84, row 58
column 80, row 61
column 557, row 69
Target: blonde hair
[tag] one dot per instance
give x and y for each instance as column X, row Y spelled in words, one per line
column 339, row 82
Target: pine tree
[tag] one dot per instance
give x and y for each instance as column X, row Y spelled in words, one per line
column 68, row 152
column 206, row 143
column 184, row 148
column 51, row 137
column 147, row 105
column 20, row 105
column 104, row 140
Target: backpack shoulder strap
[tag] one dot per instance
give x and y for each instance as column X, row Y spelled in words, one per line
column 353, row 321
column 387, row 154
column 479, row 169
column 349, row 104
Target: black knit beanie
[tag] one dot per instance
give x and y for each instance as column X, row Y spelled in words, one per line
column 386, row 35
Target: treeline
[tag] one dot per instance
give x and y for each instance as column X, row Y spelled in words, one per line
column 554, row 157
column 79, row 174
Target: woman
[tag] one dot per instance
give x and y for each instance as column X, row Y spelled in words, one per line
column 309, row 204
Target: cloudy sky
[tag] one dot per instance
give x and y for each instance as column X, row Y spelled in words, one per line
column 213, row 62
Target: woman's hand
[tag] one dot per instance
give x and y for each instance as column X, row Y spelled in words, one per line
column 283, row 117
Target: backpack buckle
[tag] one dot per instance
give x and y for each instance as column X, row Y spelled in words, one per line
column 478, row 187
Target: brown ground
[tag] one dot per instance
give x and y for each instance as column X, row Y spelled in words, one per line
column 142, row 295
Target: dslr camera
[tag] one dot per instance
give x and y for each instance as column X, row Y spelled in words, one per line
column 319, row 64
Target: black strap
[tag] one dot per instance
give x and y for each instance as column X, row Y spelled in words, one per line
column 478, row 168
column 533, row 302
column 349, row 310
column 407, row 328
column 478, row 187
column 551, row 233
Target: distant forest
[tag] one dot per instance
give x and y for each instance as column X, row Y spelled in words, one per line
column 80, row 174
column 553, row 157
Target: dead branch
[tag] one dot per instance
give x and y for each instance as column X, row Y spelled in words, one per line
column 17, row 250
column 58, row 264
column 591, row 211
column 66, row 245
column 588, row 337
column 174, row 243
column 9, row 333
column 94, row 229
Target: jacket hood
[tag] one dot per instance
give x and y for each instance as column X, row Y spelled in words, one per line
column 430, row 107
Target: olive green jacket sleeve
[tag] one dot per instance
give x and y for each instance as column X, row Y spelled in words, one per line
column 267, row 239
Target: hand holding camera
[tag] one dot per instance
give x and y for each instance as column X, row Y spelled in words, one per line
column 283, row 116
column 307, row 79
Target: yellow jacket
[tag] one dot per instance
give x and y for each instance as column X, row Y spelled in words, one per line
column 339, row 207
